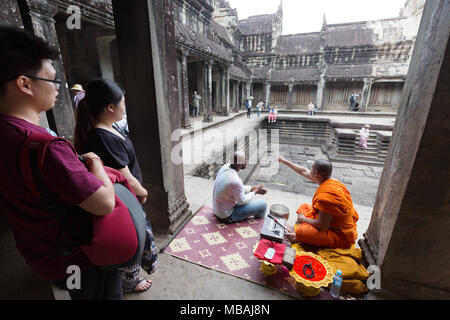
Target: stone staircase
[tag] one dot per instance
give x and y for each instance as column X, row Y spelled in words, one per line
column 299, row 131
column 340, row 144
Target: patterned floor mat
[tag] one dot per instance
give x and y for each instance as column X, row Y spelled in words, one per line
column 228, row 248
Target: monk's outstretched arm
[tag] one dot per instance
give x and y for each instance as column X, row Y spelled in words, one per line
column 299, row 169
column 322, row 223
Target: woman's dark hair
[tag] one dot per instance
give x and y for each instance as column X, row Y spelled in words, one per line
column 21, row 53
column 98, row 95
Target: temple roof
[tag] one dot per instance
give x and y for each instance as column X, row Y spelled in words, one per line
column 196, row 41
column 237, row 72
column 298, row 44
column 348, row 35
column 257, row 24
column 221, row 32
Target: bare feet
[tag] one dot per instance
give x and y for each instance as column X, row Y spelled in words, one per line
column 143, row 285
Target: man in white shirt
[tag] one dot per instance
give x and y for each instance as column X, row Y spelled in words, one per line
column 232, row 201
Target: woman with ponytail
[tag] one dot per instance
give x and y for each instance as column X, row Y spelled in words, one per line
column 95, row 130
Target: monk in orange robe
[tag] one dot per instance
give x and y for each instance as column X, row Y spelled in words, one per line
column 330, row 221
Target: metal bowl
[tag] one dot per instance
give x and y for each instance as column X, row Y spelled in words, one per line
column 279, row 210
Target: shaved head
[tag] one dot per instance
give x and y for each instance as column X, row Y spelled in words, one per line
column 239, row 161
column 324, row 168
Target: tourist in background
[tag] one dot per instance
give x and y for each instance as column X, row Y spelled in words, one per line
column 248, row 105
column 311, row 109
column 356, row 107
column 259, row 107
column 270, row 111
column 103, row 105
column 78, row 92
column 364, row 136
column 196, row 97
column 275, row 114
column 353, row 98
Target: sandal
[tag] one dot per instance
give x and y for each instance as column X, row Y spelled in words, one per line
column 140, row 280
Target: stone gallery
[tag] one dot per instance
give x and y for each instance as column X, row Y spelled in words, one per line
column 162, row 52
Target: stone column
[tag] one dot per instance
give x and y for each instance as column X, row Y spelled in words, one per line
column 249, row 89
column 408, row 232
column 236, row 94
column 200, row 66
column 185, row 115
column 320, row 93
column 225, row 98
column 268, row 94
column 243, row 95
column 366, row 93
column 146, row 40
column 38, row 19
column 208, row 92
column 289, row 102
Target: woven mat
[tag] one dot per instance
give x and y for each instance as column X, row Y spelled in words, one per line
column 228, row 248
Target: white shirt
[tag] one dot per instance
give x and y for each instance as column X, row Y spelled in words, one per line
column 364, row 133
column 229, row 191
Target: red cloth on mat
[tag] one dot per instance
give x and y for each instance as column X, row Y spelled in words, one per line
column 265, row 244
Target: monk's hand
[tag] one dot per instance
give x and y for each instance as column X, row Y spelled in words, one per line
column 291, row 237
column 281, row 159
column 300, row 219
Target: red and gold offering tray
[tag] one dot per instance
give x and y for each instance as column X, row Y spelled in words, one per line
column 311, row 272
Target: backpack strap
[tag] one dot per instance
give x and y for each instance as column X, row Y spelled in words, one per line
column 31, row 164
column 32, row 160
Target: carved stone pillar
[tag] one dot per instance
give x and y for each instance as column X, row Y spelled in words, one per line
column 236, row 95
column 185, row 115
column 243, row 96
column 268, row 93
column 249, row 89
column 146, row 41
column 320, row 93
column 225, row 98
column 366, row 93
column 208, row 92
column 291, row 89
column 38, row 19
column 201, row 88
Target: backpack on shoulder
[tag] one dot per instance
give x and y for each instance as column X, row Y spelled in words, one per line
column 112, row 241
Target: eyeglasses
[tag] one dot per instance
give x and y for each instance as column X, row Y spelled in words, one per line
column 57, row 82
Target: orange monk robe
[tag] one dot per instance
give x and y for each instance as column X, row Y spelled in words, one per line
column 331, row 197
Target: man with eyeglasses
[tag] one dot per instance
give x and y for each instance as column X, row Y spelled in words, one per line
column 28, row 87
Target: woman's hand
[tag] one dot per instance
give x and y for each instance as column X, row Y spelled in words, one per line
column 89, row 158
column 142, row 195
